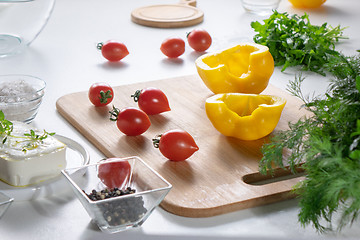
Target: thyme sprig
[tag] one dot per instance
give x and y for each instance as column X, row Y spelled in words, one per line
column 32, row 138
column 6, row 127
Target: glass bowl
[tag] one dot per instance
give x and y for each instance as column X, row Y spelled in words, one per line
column 260, row 7
column 119, row 207
column 5, row 203
column 21, row 96
column 21, row 21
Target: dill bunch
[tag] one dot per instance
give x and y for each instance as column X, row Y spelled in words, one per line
column 327, row 145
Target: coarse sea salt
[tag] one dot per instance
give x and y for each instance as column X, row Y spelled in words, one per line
column 16, row 91
column 20, row 97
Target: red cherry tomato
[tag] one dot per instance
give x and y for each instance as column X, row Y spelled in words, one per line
column 113, row 51
column 114, row 174
column 151, row 100
column 100, row 94
column 199, row 39
column 173, row 47
column 176, row 145
column 131, row 121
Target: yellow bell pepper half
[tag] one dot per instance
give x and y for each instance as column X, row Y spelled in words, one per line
column 245, row 68
column 244, row 116
column 307, row 3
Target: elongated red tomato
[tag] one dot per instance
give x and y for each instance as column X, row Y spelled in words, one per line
column 176, row 145
column 151, row 100
column 114, row 174
column 113, row 51
column 173, row 47
column 199, row 40
column 100, row 94
column 132, row 121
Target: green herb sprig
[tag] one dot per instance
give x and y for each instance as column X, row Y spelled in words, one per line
column 35, row 139
column 327, row 144
column 293, row 40
column 6, row 127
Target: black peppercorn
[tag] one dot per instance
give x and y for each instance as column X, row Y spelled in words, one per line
column 121, row 211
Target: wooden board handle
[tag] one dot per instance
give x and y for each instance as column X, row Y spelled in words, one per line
column 188, row 2
column 273, row 192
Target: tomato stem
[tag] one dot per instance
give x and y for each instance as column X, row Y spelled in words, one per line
column 156, row 140
column 187, row 34
column 99, row 45
column 136, row 95
column 104, row 96
column 114, row 114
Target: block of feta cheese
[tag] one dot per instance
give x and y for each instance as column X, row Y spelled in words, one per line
column 42, row 161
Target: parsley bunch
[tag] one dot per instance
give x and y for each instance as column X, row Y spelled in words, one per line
column 292, row 40
column 327, row 144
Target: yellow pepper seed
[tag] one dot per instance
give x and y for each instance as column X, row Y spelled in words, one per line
column 244, row 116
column 245, row 68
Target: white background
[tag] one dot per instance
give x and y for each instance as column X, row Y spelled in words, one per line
column 65, row 56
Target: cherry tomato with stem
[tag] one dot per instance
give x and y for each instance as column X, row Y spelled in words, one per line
column 114, row 173
column 100, row 94
column 199, row 39
column 151, row 100
column 176, row 145
column 113, row 51
column 130, row 121
column 173, row 47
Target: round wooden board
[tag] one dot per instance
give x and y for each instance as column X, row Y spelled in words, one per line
column 167, row 16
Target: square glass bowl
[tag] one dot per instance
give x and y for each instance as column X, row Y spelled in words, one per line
column 5, row 203
column 118, row 213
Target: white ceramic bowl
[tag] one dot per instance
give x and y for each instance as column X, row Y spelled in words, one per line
column 21, row 96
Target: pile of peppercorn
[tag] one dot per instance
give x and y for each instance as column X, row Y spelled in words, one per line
column 108, row 193
column 123, row 210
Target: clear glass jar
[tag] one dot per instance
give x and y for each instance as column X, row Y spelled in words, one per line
column 21, row 21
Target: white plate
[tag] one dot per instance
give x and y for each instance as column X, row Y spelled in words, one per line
column 76, row 156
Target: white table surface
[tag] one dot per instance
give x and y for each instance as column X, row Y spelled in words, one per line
column 65, row 56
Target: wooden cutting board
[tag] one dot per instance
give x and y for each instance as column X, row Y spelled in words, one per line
column 217, row 179
column 183, row 14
